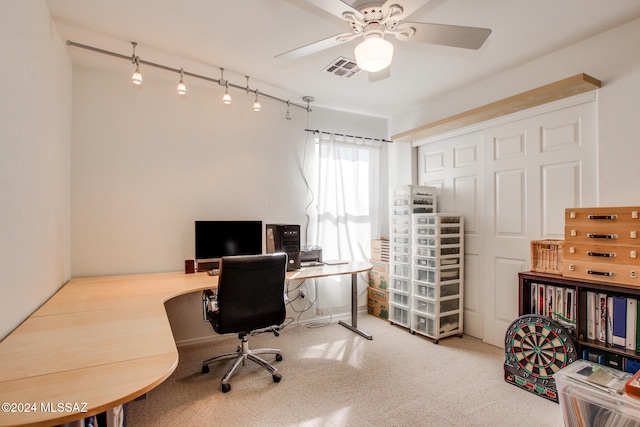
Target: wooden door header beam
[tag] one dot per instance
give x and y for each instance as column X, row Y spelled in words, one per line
column 552, row 92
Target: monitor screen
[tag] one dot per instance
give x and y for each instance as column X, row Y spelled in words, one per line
column 215, row 239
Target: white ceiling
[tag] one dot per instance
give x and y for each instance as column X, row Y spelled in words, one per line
column 243, row 36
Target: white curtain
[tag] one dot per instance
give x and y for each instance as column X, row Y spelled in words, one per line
column 347, row 196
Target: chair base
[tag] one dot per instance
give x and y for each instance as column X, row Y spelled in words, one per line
column 241, row 355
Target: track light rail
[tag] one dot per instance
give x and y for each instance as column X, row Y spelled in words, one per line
column 189, row 74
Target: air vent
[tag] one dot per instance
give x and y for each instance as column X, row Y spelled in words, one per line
column 343, row 67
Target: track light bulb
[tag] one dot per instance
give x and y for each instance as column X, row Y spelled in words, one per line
column 182, row 88
column 256, row 103
column 136, row 78
column 226, row 98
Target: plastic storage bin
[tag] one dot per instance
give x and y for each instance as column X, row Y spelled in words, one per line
column 585, row 403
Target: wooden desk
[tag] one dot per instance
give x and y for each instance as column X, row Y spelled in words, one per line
column 100, row 342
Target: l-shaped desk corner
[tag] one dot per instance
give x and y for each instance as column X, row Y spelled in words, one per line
column 103, row 341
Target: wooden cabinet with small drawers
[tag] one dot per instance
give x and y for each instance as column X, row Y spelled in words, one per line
column 602, row 244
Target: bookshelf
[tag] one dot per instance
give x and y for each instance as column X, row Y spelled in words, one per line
column 614, row 356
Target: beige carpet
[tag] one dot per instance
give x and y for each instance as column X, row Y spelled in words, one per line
column 333, row 377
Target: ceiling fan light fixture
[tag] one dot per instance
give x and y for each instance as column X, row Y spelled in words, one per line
column 374, row 54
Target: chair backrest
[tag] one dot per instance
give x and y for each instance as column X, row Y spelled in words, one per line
column 250, row 293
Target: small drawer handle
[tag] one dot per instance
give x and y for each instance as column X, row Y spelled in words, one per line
column 614, row 216
column 602, row 254
column 602, row 236
column 601, row 273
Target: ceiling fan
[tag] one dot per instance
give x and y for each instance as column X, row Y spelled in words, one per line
column 373, row 21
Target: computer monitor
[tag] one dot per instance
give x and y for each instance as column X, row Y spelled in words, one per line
column 215, row 239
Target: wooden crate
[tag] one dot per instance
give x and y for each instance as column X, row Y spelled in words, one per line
column 546, row 256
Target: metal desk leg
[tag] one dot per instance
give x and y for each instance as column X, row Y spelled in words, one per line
column 354, row 310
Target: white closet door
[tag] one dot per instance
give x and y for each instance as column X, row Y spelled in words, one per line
column 453, row 166
column 512, row 182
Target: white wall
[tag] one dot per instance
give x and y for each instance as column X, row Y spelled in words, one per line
column 610, row 57
column 146, row 164
column 35, row 123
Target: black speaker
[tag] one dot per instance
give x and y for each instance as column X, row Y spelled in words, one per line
column 285, row 238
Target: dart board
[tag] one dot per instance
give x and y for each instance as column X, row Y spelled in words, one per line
column 536, row 347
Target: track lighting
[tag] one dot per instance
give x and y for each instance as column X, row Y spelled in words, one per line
column 182, row 88
column 288, row 115
column 136, row 77
column 256, row 103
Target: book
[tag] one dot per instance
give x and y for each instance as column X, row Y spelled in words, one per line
column 591, row 315
column 601, row 332
column 619, row 327
column 541, row 298
column 559, row 302
column 549, row 298
column 569, row 304
column 534, row 299
column 632, row 315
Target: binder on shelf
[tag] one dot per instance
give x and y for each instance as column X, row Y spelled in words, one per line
column 541, row 298
column 591, row 315
column 549, row 301
column 559, row 302
column 601, row 333
column 570, row 303
column 632, row 319
column 619, row 338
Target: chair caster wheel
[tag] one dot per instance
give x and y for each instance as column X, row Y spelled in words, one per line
column 278, row 357
column 277, row 378
column 226, row 388
column 436, row 341
column 205, row 369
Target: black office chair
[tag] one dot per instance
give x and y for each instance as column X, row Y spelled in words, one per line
column 250, row 297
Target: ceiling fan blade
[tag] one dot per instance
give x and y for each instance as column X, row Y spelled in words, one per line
column 385, row 73
column 446, row 35
column 336, row 8
column 314, row 47
column 408, row 7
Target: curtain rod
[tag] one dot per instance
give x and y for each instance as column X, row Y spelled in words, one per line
column 348, row 136
column 186, row 73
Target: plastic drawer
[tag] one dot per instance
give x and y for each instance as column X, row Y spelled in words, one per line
column 401, row 240
column 434, row 219
column 397, row 248
column 400, row 270
column 449, row 323
column 436, row 275
column 424, row 290
column 424, row 306
column 423, row 324
column 400, row 220
column 399, row 284
column 399, row 315
column 434, row 241
column 400, row 230
column 435, row 262
column 401, row 258
column 432, row 291
column 399, row 298
column 433, row 252
column 437, row 230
